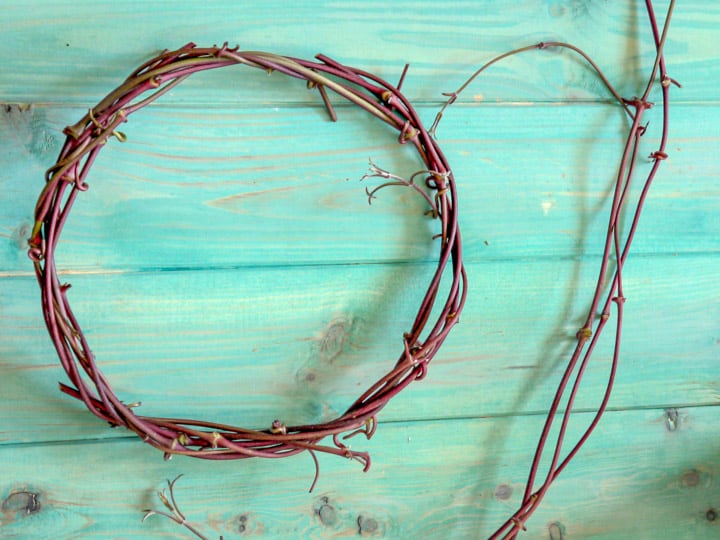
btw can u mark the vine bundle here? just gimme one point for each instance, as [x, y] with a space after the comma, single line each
[206, 439]
[210, 440]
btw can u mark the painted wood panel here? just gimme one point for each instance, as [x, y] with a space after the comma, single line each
[635, 470]
[444, 42]
[228, 245]
[273, 187]
[250, 345]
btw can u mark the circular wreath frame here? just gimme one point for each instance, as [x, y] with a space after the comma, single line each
[210, 440]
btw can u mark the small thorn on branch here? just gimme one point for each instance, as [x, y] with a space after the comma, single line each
[658, 156]
[402, 76]
[584, 333]
[667, 81]
[326, 101]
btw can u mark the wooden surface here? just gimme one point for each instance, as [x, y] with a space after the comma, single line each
[226, 265]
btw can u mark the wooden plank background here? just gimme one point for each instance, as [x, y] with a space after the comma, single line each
[226, 265]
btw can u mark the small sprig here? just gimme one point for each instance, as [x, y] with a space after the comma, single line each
[394, 180]
[175, 513]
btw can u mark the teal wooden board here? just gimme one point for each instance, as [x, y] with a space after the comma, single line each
[226, 265]
[301, 342]
[274, 187]
[634, 470]
[444, 43]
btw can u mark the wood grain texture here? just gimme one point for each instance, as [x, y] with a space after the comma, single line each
[635, 470]
[226, 265]
[196, 189]
[443, 43]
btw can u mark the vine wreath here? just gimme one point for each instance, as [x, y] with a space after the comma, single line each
[211, 440]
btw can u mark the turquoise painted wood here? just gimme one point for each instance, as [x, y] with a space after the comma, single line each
[300, 342]
[273, 184]
[226, 265]
[636, 479]
[442, 42]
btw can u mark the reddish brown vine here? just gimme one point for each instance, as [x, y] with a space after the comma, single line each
[616, 249]
[206, 439]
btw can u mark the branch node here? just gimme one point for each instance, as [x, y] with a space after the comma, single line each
[519, 524]
[584, 333]
[667, 81]
[658, 155]
[408, 133]
[278, 428]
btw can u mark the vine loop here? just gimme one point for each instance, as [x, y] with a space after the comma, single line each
[206, 439]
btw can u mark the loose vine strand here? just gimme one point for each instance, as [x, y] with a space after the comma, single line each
[587, 336]
[452, 96]
[615, 295]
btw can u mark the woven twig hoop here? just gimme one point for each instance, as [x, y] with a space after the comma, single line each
[205, 439]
